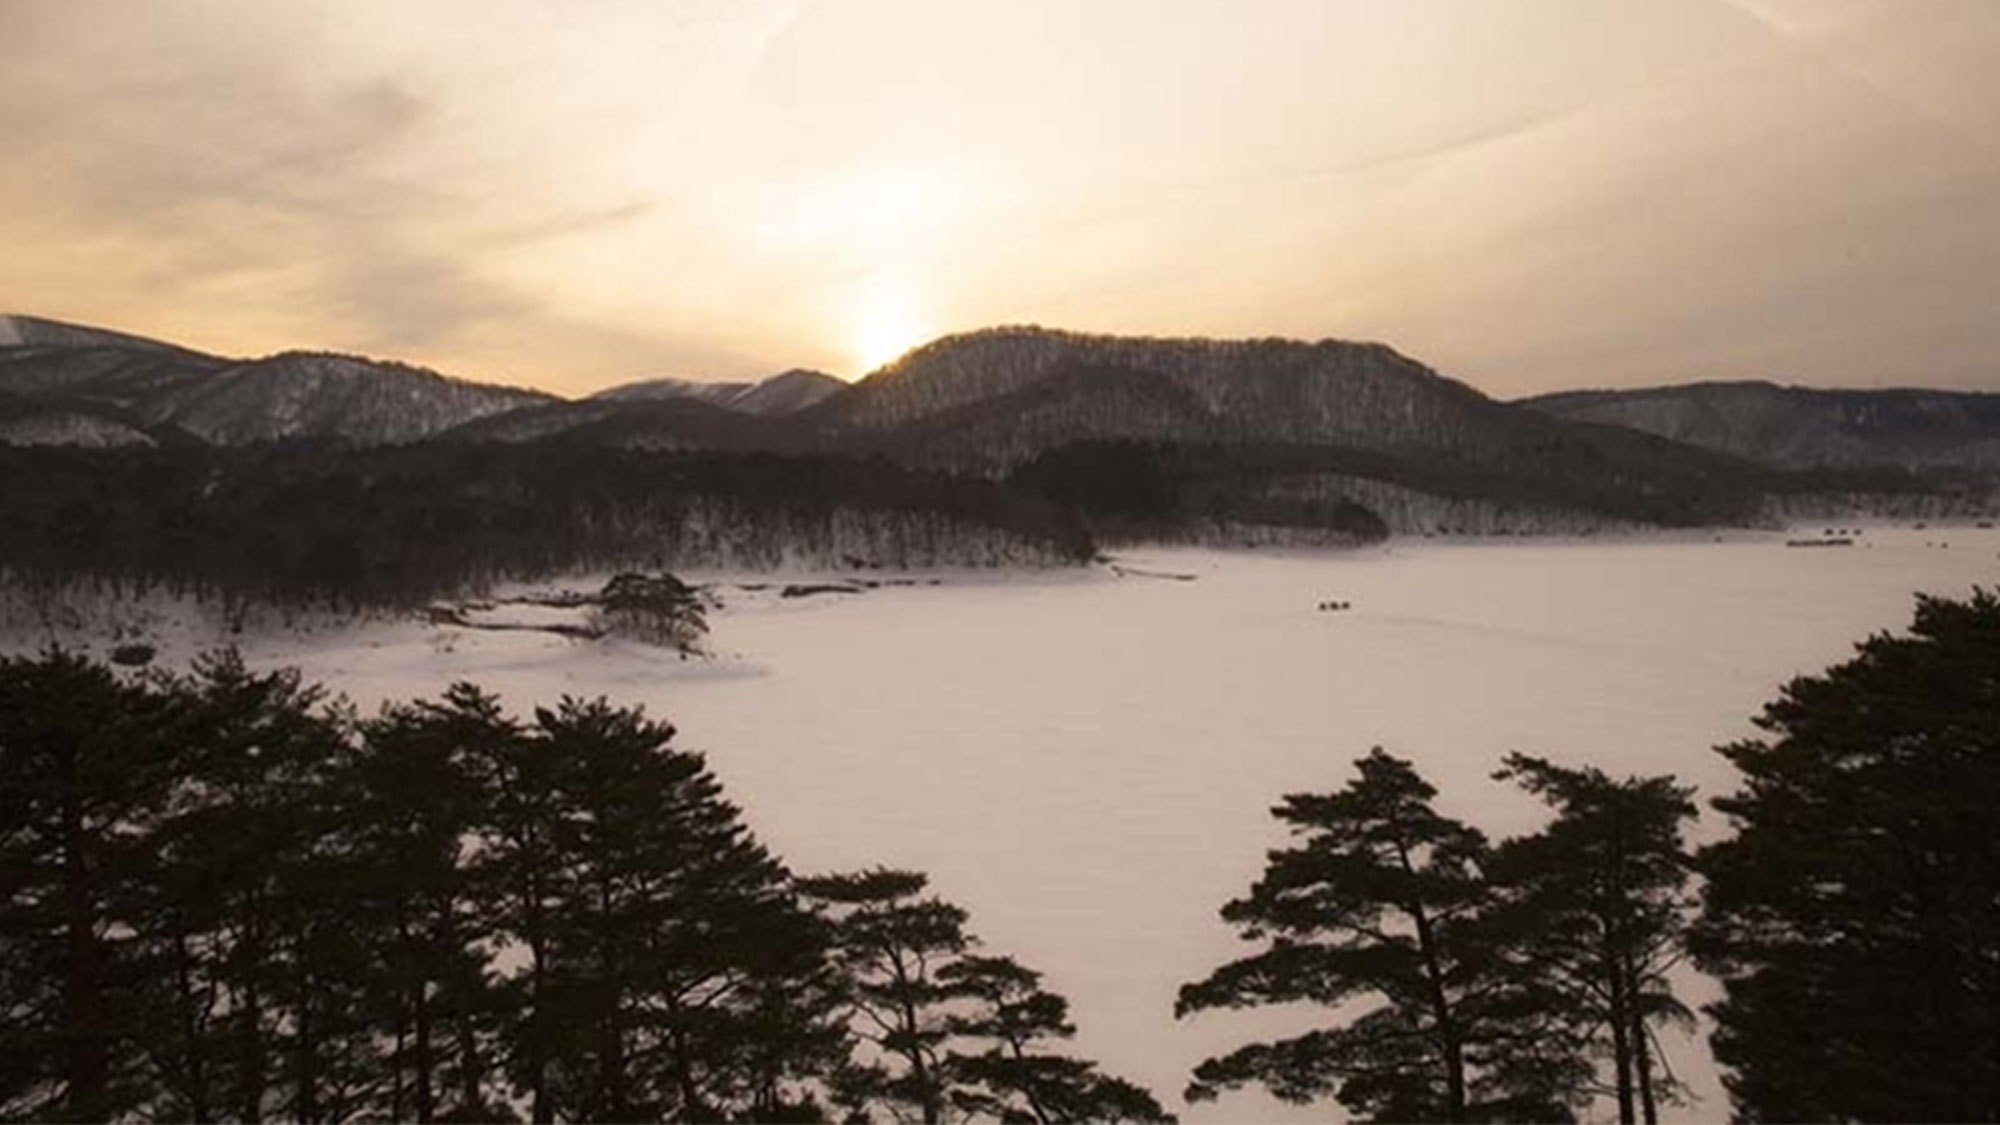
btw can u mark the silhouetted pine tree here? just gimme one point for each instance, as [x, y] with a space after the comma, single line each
[1384, 898]
[675, 938]
[415, 804]
[658, 609]
[1598, 902]
[1854, 917]
[1015, 1078]
[237, 918]
[954, 1035]
[83, 774]
[891, 940]
[524, 879]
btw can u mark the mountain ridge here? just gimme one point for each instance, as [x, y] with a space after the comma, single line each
[787, 392]
[1289, 425]
[1802, 427]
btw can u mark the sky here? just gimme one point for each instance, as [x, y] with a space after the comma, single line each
[1528, 195]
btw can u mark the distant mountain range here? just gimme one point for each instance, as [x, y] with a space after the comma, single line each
[787, 392]
[1294, 430]
[1804, 427]
[65, 383]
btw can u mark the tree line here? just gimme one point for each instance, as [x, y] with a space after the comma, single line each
[225, 897]
[305, 525]
[396, 527]
[1150, 490]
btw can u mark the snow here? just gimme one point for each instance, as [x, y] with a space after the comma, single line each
[1086, 761]
[64, 427]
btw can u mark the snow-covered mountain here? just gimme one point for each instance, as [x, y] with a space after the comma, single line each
[999, 396]
[316, 395]
[1142, 436]
[787, 392]
[1804, 427]
[668, 422]
[71, 373]
[1303, 417]
[32, 421]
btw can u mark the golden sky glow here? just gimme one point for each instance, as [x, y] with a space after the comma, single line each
[1528, 194]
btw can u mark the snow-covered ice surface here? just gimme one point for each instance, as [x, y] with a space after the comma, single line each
[1086, 761]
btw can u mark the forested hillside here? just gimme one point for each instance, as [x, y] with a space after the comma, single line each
[401, 526]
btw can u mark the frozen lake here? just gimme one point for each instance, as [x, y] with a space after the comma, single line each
[1086, 761]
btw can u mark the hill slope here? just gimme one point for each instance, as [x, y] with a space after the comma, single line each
[87, 380]
[1273, 390]
[1804, 428]
[787, 392]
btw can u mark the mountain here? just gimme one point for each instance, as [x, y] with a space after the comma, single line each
[1277, 389]
[1802, 427]
[785, 393]
[31, 331]
[666, 423]
[1220, 434]
[318, 395]
[1000, 395]
[51, 421]
[655, 390]
[97, 384]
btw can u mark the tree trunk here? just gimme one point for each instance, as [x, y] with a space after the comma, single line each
[87, 1062]
[425, 1095]
[193, 1083]
[252, 1080]
[471, 1071]
[1450, 1041]
[1441, 1016]
[1642, 1063]
[933, 1109]
[1621, 1036]
[539, 1109]
[1034, 1103]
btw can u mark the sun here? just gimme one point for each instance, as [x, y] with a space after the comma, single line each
[885, 326]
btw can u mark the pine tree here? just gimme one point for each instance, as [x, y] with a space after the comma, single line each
[1854, 916]
[677, 935]
[414, 802]
[1599, 902]
[83, 775]
[953, 1034]
[659, 609]
[1385, 898]
[523, 879]
[1016, 1078]
[231, 888]
[892, 940]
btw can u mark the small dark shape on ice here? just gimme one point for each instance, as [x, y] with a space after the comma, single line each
[1133, 572]
[1819, 542]
[805, 591]
[1335, 607]
[133, 655]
